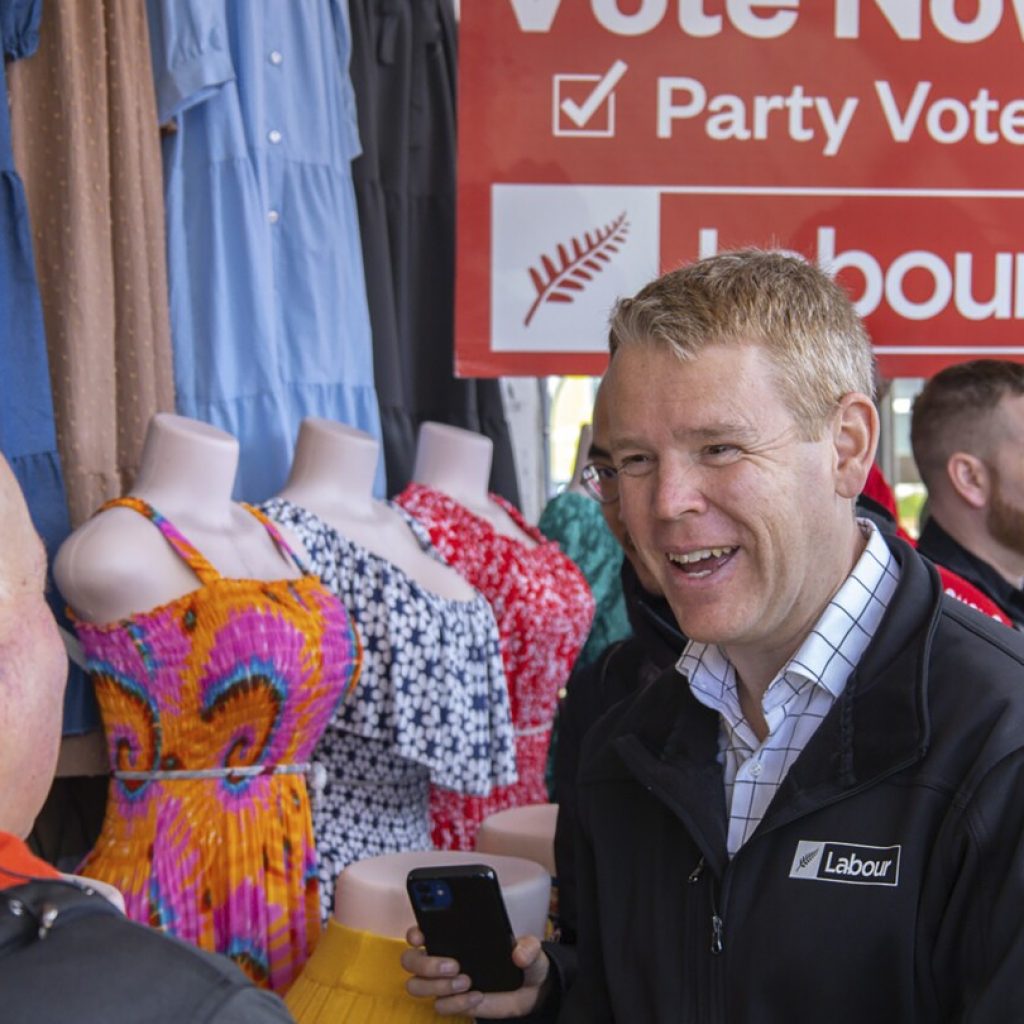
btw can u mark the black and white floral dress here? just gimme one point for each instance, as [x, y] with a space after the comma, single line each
[431, 704]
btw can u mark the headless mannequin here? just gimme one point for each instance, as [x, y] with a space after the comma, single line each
[332, 476]
[527, 832]
[118, 563]
[457, 462]
[582, 458]
[370, 895]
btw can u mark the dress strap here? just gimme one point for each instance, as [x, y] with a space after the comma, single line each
[187, 551]
[277, 537]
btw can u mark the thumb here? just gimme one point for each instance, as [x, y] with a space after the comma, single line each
[529, 956]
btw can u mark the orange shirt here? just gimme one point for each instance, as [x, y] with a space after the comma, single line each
[16, 857]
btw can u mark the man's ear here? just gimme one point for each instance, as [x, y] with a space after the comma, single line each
[855, 436]
[969, 478]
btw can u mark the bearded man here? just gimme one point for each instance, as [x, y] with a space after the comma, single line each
[967, 433]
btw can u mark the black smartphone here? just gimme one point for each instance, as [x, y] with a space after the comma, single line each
[460, 910]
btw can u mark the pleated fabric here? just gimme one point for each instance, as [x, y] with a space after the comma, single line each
[237, 674]
[355, 977]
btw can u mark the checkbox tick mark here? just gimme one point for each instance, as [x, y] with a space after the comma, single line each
[581, 113]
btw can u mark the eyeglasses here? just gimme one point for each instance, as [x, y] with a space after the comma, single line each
[601, 482]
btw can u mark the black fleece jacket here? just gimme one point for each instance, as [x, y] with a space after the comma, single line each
[943, 549]
[619, 671]
[885, 884]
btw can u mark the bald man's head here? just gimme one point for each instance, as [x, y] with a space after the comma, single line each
[23, 556]
[33, 666]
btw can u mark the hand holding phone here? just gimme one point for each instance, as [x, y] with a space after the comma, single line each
[433, 978]
[462, 915]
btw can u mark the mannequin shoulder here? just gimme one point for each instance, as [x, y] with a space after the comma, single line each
[116, 564]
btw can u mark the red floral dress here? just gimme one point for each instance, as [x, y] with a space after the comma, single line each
[543, 607]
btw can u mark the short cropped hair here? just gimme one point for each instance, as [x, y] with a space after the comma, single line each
[795, 311]
[953, 413]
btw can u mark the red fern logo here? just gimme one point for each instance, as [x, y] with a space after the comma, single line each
[559, 279]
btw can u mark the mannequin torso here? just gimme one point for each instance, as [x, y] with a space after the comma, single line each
[457, 462]
[332, 476]
[117, 564]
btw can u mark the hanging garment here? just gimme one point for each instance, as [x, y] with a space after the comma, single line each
[431, 705]
[355, 977]
[86, 140]
[577, 523]
[268, 298]
[83, 126]
[28, 437]
[212, 704]
[543, 607]
[403, 73]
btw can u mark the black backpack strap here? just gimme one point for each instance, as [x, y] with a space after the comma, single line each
[29, 912]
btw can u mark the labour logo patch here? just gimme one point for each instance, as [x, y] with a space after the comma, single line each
[846, 862]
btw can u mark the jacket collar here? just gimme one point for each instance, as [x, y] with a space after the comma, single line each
[668, 741]
[940, 547]
[651, 618]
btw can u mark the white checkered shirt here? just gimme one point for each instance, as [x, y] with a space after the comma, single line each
[799, 697]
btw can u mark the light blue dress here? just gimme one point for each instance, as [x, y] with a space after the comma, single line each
[268, 301]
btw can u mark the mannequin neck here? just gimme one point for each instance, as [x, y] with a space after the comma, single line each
[187, 469]
[332, 476]
[333, 471]
[456, 462]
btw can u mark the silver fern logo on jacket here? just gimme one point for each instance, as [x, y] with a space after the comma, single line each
[822, 861]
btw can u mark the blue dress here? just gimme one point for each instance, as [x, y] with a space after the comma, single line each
[28, 436]
[268, 301]
[431, 704]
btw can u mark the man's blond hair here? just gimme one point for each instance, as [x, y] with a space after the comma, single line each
[797, 313]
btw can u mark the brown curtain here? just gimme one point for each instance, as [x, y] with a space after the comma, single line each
[87, 145]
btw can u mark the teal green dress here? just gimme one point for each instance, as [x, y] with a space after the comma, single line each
[577, 524]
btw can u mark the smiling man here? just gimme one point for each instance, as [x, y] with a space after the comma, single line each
[817, 814]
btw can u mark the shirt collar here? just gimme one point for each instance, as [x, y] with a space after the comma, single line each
[836, 642]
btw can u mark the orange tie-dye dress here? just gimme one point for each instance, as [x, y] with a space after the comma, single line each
[212, 704]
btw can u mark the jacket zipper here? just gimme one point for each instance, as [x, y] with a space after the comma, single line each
[720, 912]
[706, 995]
[717, 925]
[698, 984]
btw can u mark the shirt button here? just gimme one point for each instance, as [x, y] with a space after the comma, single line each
[273, 216]
[273, 136]
[756, 769]
[276, 57]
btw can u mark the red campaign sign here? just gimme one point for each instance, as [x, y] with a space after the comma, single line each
[603, 141]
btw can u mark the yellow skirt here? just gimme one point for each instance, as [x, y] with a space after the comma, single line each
[355, 977]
